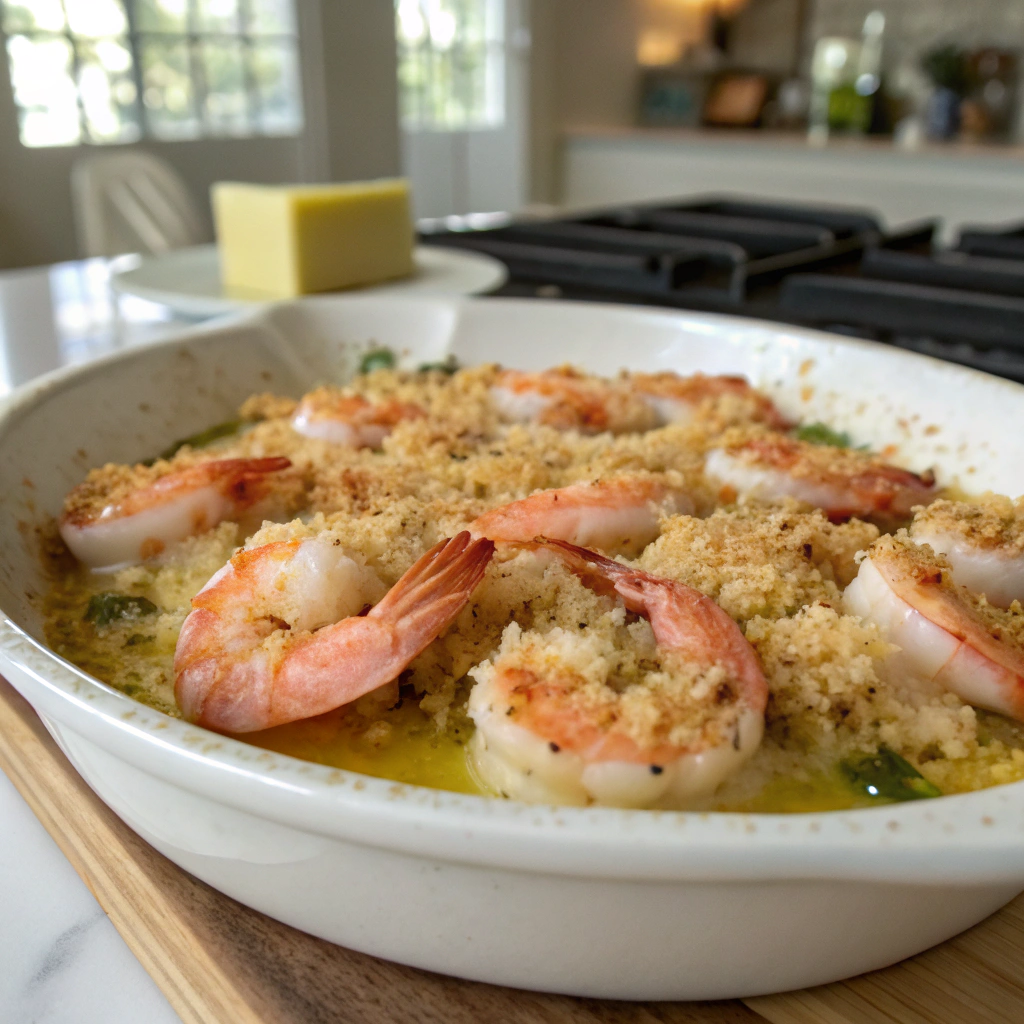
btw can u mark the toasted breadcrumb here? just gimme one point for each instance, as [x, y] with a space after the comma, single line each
[777, 569]
[800, 459]
[990, 521]
[919, 561]
[267, 406]
[760, 560]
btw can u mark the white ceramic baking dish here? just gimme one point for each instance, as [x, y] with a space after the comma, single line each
[600, 902]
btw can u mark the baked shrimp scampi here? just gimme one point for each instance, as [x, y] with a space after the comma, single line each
[653, 590]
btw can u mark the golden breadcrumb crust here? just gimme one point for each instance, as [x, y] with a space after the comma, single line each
[778, 569]
[989, 522]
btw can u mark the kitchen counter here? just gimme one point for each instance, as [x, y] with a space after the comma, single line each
[778, 139]
[63, 961]
[970, 183]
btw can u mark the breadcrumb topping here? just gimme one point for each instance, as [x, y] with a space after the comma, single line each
[760, 560]
[779, 569]
[991, 521]
[918, 562]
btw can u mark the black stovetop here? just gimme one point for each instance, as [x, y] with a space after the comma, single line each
[829, 267]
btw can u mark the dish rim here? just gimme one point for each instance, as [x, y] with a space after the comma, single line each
[964, 838]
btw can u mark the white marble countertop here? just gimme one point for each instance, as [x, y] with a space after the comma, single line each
[63, 961]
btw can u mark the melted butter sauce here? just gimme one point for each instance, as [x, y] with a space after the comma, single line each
[821, 791]
[402, 743]
[412, 751]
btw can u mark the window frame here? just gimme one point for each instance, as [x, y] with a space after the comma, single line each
[430, 56]
[135, 39]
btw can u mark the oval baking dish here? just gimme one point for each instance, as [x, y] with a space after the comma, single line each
[596, 902]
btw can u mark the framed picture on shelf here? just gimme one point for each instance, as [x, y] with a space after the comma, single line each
[671, 98]
[736, 99]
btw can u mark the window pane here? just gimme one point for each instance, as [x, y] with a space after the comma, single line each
[107, 90]
[44, 90]
[162, 15]
[271, 16]
[221, 67]
[33, 16]
[412, 22]
[227, 106]
[275, 71]
[412, 85]
[96, 18]
[451, 62]
[217, 16]
[167, 89]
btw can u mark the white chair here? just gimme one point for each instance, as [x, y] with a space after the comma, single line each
[132, 201]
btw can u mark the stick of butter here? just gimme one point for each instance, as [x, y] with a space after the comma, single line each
[279, 241]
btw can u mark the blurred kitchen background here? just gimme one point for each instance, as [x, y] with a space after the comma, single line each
[908, 107]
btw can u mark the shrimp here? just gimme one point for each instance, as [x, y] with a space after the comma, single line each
[983, 542]
[677, 399]
[548, 730]
[277, 635]
[566, 399]
[620, 514]
[841, 482]
[350, 420]
[183, 503]
[945, 637]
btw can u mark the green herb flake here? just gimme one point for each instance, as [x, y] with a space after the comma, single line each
[887, 776]
[818, 433]
[377, 359]
[138, 638]
[200, 440]
[109, 607]
[449, 366]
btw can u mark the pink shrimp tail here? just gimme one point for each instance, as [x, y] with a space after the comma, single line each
[339, 663]
[683, 619]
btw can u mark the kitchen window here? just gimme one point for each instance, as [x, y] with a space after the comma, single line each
[451, 63]
[114, 71]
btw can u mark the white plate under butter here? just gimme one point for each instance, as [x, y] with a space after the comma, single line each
[188, 282]
[598, 902]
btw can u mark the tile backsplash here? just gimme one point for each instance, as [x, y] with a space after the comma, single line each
[915, 26]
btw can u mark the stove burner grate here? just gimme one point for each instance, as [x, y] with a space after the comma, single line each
[829, 267]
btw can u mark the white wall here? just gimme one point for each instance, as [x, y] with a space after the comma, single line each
[351, 132]
[360, 88]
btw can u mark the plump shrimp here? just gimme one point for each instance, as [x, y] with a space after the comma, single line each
[945, 637]
[547, 730]
[140, 522]
[841, 482]
[277, 635]
[982, 540]
[677, 399]
[566, 399]
[350, 420]
[621, 514]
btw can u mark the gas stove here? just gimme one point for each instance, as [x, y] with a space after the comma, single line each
[835, 268]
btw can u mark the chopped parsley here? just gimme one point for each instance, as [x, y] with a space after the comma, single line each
[885, 775]
[108, 607]
[449, 365]
[200, 440]
[818, 433]
[377, 359]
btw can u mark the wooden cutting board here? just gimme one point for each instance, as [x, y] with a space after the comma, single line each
[221, 963]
